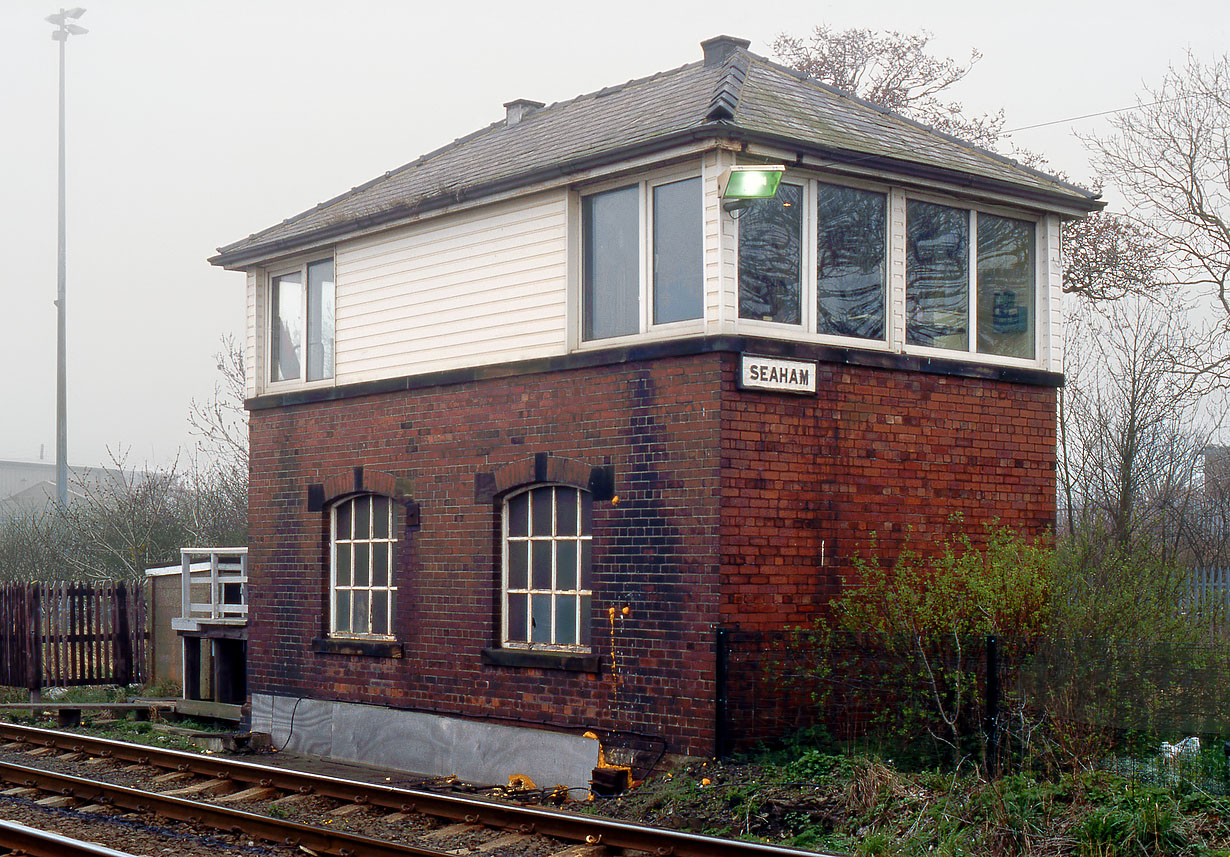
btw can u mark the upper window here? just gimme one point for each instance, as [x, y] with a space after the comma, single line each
[850, 254]
[850, 261]
[621, 292]
[957, 258]
[770, 257]
[301, 323]
[546, 574]
[362, 589]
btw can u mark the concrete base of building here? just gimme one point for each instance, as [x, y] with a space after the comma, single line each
[423, 743]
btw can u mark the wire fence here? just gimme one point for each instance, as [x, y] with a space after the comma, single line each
[1155, 711]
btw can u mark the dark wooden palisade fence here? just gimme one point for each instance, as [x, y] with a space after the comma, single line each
[63, 634]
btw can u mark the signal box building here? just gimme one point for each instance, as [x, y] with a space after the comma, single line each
[536, 414]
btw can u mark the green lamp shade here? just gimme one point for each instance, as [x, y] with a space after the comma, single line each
[753, 182]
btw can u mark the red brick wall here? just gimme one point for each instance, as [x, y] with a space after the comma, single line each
[735, 506]
[655, 548]
[807, 481]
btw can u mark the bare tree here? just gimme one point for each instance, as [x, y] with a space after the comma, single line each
[217, 507]
[1109, 256]
[1170, 158]
[123, 523]
[894, 70]
[1131, 431]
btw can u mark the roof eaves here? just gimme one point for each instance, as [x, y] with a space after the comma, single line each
[448, 147]
[367, 185]
[230, 258]
[1074, 198]
[1003, 159]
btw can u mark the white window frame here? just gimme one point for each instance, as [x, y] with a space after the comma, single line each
[299, 266]
[646, 326]
[895, 297]
[806, 330]
[391, 588]
[971, 351]
[529, 590]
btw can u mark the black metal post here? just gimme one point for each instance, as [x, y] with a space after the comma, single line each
[992, 700]
[720, 742]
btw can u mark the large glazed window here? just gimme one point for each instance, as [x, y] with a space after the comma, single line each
[937, 276]
[970, 281]
[1005, 286]
[362, 589]
[617, 284]
[770, 257]
[678, 279]
[611, 254]
[302, 323]
[850, 262]
[546, 575]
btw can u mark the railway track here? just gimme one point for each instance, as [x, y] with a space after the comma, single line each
[450, 818]
[18, 839]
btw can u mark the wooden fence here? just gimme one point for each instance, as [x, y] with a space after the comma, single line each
[64, 634]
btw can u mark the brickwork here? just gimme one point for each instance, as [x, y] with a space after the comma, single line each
[655, 544]
[808, 482]
[730, 506]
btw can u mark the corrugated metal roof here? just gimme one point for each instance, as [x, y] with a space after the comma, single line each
[746, 96]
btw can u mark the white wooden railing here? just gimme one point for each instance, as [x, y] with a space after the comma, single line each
[214, 587]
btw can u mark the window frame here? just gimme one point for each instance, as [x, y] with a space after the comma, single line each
[646, 327]
[807, 328]
[581, 594]
[971, 352]
[391, 587]
[298, 265]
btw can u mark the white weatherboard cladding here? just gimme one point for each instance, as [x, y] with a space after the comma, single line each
[255, 322]
[1050, 288]
[479, 287]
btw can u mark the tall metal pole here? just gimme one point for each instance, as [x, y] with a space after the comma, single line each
[63, 30]
[61, 310]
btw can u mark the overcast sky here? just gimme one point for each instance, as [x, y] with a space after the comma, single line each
[192, 123]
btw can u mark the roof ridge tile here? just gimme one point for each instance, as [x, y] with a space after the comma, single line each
[730, 86]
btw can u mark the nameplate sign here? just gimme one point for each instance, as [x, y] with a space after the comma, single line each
[780, 376]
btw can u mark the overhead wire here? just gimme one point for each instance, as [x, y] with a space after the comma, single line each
[1116, 110]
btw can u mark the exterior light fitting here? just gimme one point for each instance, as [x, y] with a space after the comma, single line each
[742, 184]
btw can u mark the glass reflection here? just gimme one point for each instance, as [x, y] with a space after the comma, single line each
[770, 257]
[937, 276]
[1005, 286]
[850, 268]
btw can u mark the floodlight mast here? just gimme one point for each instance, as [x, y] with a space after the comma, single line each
[63, 30]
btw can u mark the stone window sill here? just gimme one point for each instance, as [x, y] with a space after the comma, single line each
[567, 661]
[362, 648]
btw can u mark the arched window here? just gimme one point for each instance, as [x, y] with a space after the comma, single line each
[546, 576]
[362, 589]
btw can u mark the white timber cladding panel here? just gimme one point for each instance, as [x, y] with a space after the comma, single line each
[470, 289]
[255, 317]
[896, 268]
[711, 173]
[728, 253]
[1050, 285]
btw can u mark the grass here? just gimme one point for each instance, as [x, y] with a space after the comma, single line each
[863, 805]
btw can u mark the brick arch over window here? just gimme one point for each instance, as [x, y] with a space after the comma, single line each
[358, 480]
[545, 468]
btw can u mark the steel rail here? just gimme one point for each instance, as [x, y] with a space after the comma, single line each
[218, 817]
[32, 842]
[571, 826]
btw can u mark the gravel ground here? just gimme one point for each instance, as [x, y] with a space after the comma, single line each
[134, 834]
[144, 836]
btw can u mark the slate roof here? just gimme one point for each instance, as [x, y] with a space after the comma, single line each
[743, 97]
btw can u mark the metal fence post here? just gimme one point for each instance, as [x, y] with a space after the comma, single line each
[721, 714]
[992, 700]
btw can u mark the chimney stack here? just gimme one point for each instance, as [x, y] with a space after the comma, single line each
[719, 48]
[519, 109]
